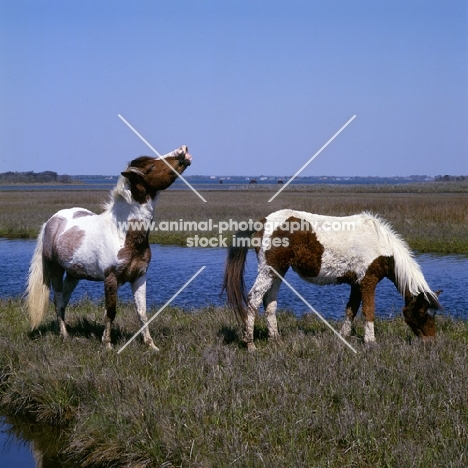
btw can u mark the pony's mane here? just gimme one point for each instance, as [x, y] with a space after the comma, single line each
[141, 161]
[120, 192]
[408, 274]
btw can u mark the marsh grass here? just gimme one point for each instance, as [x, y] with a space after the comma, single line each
[204, 401]
[23, 212]
[430, 219]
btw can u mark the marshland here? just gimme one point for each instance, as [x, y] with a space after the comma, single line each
[203, 400]
[432, 217]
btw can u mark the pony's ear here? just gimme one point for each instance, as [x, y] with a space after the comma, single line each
[432, 309]
[132, 171]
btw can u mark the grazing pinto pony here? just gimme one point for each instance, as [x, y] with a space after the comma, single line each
[359, 250]
[82, 245]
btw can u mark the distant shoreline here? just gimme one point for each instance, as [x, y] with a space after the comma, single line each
[40, 184]
[11, 178]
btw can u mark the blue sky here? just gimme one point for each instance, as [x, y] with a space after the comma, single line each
[252, 87]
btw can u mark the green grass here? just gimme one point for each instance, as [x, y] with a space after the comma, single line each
[204, 401]
[431, 217]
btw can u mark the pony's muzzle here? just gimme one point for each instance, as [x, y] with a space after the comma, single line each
[184, 157]
[187, 160]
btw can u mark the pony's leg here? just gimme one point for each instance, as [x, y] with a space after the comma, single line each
[270, 303]
[259, 289]
[110, 292]
[139, 295]
[351, 309]
[69, 285]
[368, 308]
[56, 278]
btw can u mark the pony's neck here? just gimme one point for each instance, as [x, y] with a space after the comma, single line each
[123, 206]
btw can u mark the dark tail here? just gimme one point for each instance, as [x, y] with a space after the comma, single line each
[234, 269]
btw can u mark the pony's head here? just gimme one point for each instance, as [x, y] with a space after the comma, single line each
[148, 175]
[419, 312]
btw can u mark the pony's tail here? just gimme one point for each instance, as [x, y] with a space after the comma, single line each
[409, 278]
[37, 292]
[234, 270]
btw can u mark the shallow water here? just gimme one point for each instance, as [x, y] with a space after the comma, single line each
[171, 267]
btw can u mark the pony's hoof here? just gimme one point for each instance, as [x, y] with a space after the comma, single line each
[251, 347]
[274, 339]
[108, 346]
[150, 345]
[370, 344]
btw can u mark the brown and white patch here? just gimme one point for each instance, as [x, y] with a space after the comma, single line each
[59, 244]
[134, 256]
[300, 250]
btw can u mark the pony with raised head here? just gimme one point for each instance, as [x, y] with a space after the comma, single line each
[359, 250]
[113, 246]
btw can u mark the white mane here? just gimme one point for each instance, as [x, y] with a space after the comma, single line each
[120, 191]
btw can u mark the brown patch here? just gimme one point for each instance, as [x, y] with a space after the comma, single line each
[303, 251]
[53, 228]
[349, 277]
[135, 255]
[376, 271]
[110, 291]
[379, 268]
[354, 301]
[78, 270]
[82, 214]
[60, 245]
[147, 175]
[69, 242]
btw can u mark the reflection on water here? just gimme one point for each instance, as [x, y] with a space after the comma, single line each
[28, 445]
[172, 266]
[14, 452]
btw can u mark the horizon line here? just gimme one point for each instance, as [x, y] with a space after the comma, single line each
[282, 177]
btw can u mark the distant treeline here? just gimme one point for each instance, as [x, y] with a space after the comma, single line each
[449, 178]
[31, 177]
